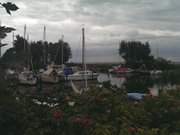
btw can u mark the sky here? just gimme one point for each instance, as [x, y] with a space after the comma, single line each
[106, 24]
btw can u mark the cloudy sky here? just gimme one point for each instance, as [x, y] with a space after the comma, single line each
[106, 22]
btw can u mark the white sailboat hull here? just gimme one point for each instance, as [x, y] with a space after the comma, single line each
[27, 79]
[80, 76]
[50, 75]
[28, 82]
[49, 79]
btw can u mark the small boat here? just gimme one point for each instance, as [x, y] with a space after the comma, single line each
[11, 74]
[53, 71]
[82, 75]
[120, 70]
[142, 71]
[136, 96]
[27, 78]
[156, 72]
[50, 76]
[57, 68]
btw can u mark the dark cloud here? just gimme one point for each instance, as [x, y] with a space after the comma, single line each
[106, 21]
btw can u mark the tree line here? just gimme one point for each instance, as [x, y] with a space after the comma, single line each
[37, 53]
[138, 55]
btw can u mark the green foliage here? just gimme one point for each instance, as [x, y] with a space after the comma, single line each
[9, 7]
[38, 51]
[163, 64]
[135, 52]
[99, 111]
[10, 116]
[4, 30]
[102, 130]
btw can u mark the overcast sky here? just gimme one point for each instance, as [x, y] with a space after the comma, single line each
[106, 22]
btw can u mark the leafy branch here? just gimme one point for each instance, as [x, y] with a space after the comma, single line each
[4, 30]
[9, 7]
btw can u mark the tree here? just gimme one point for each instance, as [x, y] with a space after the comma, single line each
[41, 53]
[55, 52]
[9, 7]
[4, 30]
[135, 52]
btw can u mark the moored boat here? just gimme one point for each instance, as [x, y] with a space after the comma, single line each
[156, 72]
[27, 78]
[50, 76]
[82, 75]
[120, 70]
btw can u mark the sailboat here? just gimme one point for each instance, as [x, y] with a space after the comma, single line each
[84, 74]
[51, 75]
[53, 72]
[27, 77]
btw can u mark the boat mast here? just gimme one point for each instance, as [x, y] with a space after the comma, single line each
[157, 52]
[25, 38]
[83, 56]
[62, 52]
[0, 41]
[13, 39]
[28, 53]
[44, 49]
[25, 48]
[83, 48]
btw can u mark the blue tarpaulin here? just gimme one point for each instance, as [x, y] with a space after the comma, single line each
[136, 96]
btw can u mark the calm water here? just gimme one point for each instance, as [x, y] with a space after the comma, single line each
[141, 83]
